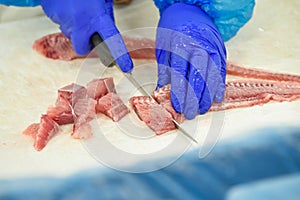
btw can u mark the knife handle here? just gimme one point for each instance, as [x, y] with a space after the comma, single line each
[102, 50]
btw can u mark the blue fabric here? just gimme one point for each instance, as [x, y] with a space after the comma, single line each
[191, 56]
[279, 188]
[268, 154]
[228, 15]
[24, 3]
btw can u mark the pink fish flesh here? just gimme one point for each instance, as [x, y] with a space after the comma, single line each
[74, 105]
[97, 88]
[57, 46]
[154, 115]
[162, 96]
[112, 106]
[237, 70]
[42, 132]
[246, 93]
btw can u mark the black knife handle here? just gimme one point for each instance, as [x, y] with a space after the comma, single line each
[102, 50]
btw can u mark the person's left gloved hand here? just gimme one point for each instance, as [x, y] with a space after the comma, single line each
[192, 57]
[80, 19]
[24, 3]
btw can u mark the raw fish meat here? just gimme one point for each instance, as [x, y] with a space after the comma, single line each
[32, 130]
[72, 92]
[42, 132]
[140, 48]
[57, 46]
[265, 87]
[144, 48]
[112, 106]
[237, 70]
[246, 93]
[48, 128]
[75, 105]
[154, 115]
[122, 1]
[97, 88]
[82, 130]
[62, 112]
[84, 111]
[162, 96]
[238, 94]
[85, 108]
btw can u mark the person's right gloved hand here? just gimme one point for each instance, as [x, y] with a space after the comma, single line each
[80, 19]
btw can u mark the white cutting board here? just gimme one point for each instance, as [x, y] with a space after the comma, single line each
[28, 85]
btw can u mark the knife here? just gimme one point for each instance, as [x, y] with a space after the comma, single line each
[108, 60]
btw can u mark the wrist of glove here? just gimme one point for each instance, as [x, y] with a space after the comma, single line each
[191, 56]
[22, 3]
[80, 19]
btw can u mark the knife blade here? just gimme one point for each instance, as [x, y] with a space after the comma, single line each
[108, 60]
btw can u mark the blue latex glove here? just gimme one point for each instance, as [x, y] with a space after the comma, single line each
[20, 2]
[80, 19]
[192, 57]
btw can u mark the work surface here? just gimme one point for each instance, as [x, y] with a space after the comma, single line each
[28, 84]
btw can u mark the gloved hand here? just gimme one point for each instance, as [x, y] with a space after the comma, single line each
[20, 2]
[192, 57]
[80, 19]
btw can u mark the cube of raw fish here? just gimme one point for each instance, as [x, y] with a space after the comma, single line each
[85, 107]
[154, 115]
[97, 88]
[62, 112]
[47, 129]
[163, 97]
[112, 106]
[81, 129]
[84, 110]
[72, 92]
